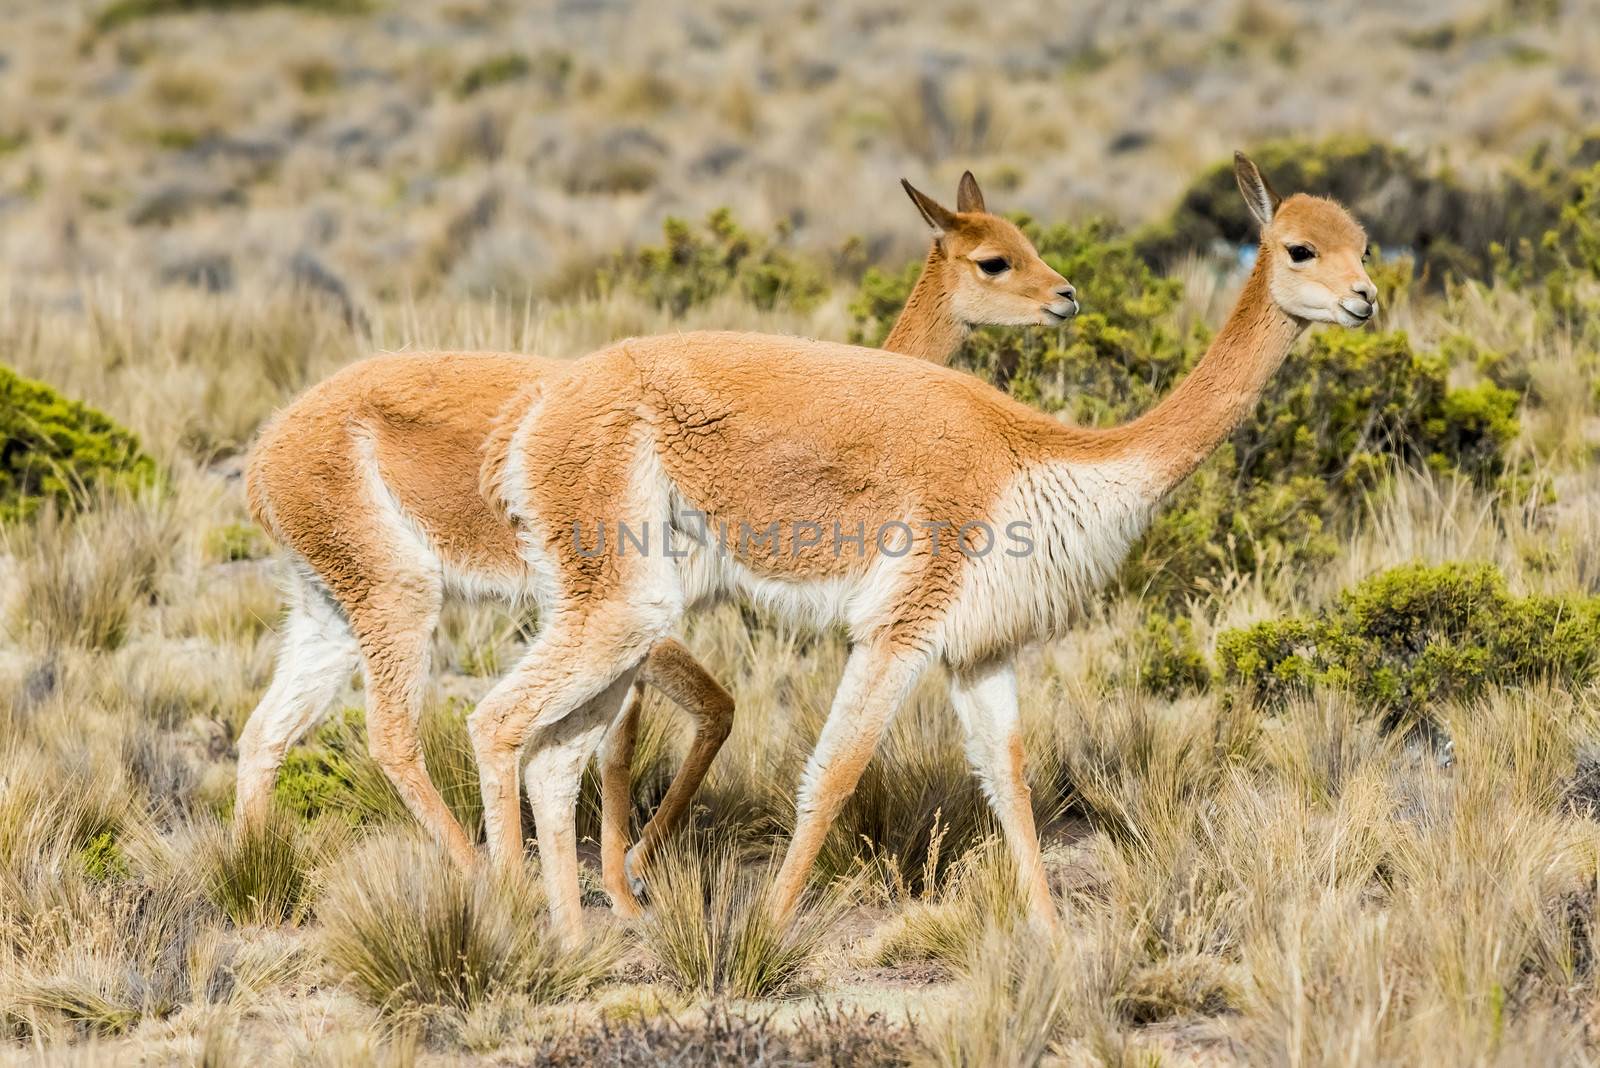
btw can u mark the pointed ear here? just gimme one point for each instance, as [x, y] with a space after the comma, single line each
[1258, 195]
[968, 196]
[939, 218]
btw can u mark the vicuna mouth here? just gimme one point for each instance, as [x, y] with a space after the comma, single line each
[1361, 314]
[1056, 314]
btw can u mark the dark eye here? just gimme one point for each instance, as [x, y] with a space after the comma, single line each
[1366, 253]
[1300, 253]
[994, 265]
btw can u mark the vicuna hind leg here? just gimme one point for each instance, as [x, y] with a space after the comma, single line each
[562, 694]
[673, 670]
[616, 801]
[316, 658]
[395, 624]
[985, 701]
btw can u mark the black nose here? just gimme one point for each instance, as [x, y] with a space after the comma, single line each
[1366, 291]
[1067, 291]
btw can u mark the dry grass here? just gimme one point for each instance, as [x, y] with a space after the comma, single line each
[710, 929]
[412, 934]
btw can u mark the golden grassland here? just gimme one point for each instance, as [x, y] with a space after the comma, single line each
[202, 213]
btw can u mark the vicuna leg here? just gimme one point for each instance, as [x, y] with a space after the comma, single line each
[877, 678]
[558, 754]
[316, 657]
[569, 665]
[616, 801]
[674, 671]
[985, 700]
[394, 625]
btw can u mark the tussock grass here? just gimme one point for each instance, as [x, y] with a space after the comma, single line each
[709, 926]
[1297, 884]
[412, 935]
[980, 895]
[84, 580]
[262, 873]
[1011, 1009]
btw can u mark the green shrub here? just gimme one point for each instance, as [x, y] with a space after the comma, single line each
[1167, 658]
[496, 70]
[1416, 635]
[102, 857]
[333, 774]
[1405, 202]
[1344, 410]
[237, 541]
[55, 449]
[696, 265]
[878, 302]
[121, 12]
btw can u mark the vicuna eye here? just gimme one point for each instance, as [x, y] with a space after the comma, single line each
[1300, 253]
[1366, 253]
[994, 265]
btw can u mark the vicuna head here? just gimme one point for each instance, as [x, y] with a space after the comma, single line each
[991, 271]
[1313, 252]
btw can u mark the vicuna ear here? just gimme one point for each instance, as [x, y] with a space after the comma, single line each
[1258, 195]
[940, 220]
[968, 196]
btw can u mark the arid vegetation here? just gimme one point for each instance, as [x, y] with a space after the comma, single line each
[1318, 777]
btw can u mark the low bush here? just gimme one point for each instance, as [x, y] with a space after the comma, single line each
[1166, 658]
[1345, 409]
[1408, 638]
[56, 449]
[1450, 227]
[696, 264]
[333, 774]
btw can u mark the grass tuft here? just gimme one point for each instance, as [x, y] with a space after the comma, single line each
[709, 926]
[261, 873]
[410, 933]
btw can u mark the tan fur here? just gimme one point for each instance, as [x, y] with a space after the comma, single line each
[748, 430]
[377, 479]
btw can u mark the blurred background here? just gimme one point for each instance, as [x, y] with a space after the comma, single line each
[480, 148]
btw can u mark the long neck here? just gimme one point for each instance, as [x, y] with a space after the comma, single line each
[927, 327]
[1177, 435]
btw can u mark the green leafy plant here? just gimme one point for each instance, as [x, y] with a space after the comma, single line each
[121, 12]
[1413, 636]
[333, 775]
[694, 265]
[56, 449]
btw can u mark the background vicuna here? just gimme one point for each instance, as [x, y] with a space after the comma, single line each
[1316, 778]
